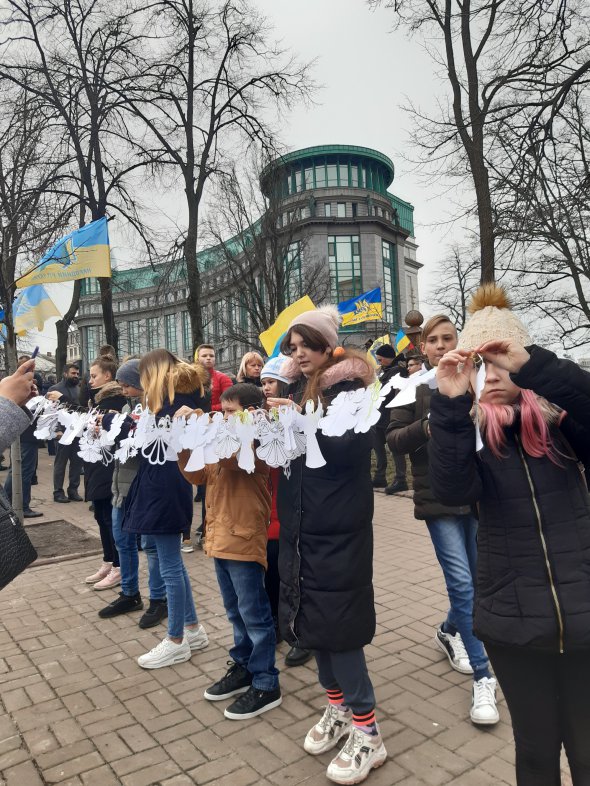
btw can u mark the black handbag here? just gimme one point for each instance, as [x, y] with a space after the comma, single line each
[16, 550]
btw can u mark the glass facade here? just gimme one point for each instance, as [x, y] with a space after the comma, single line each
[187, 342]
[335, 172]
[293, 280]
[344, 255]
[390, 288]
[153, 333]
[170, 331]
[92, 342]
[133, 344]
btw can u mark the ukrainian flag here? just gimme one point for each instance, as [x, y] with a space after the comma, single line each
[32, 307]
[379, 342]
[84, 253]
[402, 342]
[271, 338]
[362, 308]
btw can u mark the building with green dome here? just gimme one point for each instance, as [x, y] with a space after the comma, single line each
[338, 218]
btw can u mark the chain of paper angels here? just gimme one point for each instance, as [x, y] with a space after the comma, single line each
[276, 437]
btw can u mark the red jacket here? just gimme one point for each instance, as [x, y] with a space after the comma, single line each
[274, 526]
[219, 383]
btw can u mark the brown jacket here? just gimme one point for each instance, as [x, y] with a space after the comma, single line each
[237, 508]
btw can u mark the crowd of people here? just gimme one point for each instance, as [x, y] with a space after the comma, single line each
[496, 443]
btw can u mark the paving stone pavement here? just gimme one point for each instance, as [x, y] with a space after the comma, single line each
[79, 711]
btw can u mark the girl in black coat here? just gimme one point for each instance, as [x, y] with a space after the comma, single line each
[106, 396]
[326, 551]
[532, 605]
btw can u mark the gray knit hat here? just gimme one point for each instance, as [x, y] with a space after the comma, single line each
[128, 374]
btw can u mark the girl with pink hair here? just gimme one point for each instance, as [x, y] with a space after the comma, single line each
[532, 604]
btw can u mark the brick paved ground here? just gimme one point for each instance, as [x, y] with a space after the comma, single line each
[79, 711]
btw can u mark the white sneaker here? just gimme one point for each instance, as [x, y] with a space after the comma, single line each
[454, 649]
[166, 653]
[187, 547]
[324, 736]
[112, 579]
[361, 753]
[196, 637]
[103, 571]
[483, 705]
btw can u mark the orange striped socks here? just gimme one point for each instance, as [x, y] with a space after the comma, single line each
[335, 697]
[366, 722]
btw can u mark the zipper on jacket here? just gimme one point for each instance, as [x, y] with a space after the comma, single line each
[544, 545]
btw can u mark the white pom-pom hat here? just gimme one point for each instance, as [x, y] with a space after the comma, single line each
[491, 318]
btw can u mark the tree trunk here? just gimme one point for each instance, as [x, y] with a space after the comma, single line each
[193, 278]
[106, 297]
[486, 221]
[62, 326]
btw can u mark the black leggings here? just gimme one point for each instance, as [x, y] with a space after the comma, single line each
[103, 512]
[548, 696]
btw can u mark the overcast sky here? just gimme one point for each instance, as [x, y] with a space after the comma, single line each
[366, 71]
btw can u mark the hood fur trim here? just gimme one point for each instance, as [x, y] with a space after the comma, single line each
[190, 377]
[349, 368]
[109, 390]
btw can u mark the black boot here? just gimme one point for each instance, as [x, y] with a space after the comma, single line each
[123, 605]
[297, 656]
[396, 486]
[157, 611]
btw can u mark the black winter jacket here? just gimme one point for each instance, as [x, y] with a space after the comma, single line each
[407, 433]
[533, 575]
[384, 376]
[326, 544]
[98, 478]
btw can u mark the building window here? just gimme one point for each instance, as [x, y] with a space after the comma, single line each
[309, 178]
[341, 210]
[390, 288]
[133, 337]
[293, 281]
[345, 266]
[343, 172]
[187, 342]
[216, 326]
[332, 175]
[354, 209]
[92, 339]
[327, 209]
[305, 212]
[320, 176]
[153, 333]
[354, 176]
[170, 331]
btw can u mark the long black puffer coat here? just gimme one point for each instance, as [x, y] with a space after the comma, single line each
[98, 477]
[533, 575]
[326, 537]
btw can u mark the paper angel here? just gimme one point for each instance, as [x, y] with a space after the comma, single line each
[227, 439]
[74, 424]
[271, 448]
[216, 422]
[156, 442]
[308, 422]
[245, 433]
[47, 422]
[126, 449]
[194, 439]
[407, 394]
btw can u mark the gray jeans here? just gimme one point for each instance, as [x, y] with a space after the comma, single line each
[347, 671]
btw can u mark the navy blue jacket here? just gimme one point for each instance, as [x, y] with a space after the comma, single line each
[160, 500]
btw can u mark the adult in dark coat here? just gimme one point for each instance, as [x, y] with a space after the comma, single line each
[532, 607]
[326, 550]
[69, 393]
[390, 365]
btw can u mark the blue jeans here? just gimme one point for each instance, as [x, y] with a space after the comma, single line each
[248, 609]
[181, 607]
[156, 586]
[28, 455]
[455, 542]
[126, 543]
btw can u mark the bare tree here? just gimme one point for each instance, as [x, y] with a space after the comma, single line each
[267, 263]
[543, 209]
[31, 170]
[205, 90]
[456, 278]
[68, 53]
[500, 57]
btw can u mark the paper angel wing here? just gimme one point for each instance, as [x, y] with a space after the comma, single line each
[74, 424]
[156, 443]
[340, 416]
[271, 447]
[126, 449]
[227, 440]
[408, 394]
[368, 413]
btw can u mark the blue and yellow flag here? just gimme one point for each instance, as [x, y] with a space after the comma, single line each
[402, 342]
[379, 342]
[32, 308]
[84, 253]
[361, 308]
[272, 337]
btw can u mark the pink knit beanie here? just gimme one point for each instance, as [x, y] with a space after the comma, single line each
[324, 319]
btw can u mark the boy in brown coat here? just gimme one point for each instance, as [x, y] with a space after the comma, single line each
[237, 518]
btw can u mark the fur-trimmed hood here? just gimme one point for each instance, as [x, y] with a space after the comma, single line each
[109, 390]
[191, 377]
[347, 368]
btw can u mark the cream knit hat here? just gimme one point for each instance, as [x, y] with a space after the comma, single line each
[491, 318]
[324, 319]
